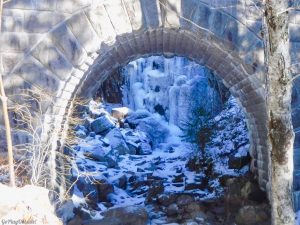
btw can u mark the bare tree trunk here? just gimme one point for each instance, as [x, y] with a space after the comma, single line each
[6, 122]
[280, 128]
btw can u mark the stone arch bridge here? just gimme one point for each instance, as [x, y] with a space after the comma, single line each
[69, 47]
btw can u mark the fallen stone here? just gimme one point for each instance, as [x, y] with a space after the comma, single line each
[102, 124]
[117, 142]
[155, 131]
[105, 221]
[184, 199]
[66, 211]
[121, 182]
[120, 113]
[166, 200]
[172, 210]
[129, 215]
[29, 203]
[104, 188]
[134, 118]
[80, 134]
[252, 215]
[156, 188]
[89, 190]
[238, 162]
[144, 149]
[133, 147]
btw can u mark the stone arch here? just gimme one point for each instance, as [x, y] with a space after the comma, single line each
[76, 55]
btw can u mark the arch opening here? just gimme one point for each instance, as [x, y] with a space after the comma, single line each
[159, 128]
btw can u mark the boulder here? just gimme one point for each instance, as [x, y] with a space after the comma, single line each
[156, 187]
[120, 113]
[144, 149]
[89, 190]
[108, 160]
[166, 200]
[134, 118]
[252, 192]
[92, 134]
[96, 153]
[66, 211]
[172, 210]
[95, 109]
[102, 124]
[193, 207]
[135, 137]
[104, 221]
[121, 182]
[104, 188]
[80, 127]
[241, 190]
[155, 131]
[133, 147]
[111, 161]
[252, 215]
[238, 162]
[75, 221]
[80, 134]
[117, 142]
[129, 215]
[82, 213]
[184, 200]
[29, 204]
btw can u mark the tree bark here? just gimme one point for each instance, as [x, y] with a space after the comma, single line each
[6, 121]
[280, 128]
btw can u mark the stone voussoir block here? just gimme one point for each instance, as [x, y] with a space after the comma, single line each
[135, 14]
[47, 53]
[68, 44]
[41, 21]
[84, 32]
[118, 16]
[151, 12]
[35, 73]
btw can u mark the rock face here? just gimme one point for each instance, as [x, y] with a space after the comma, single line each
[169, 87]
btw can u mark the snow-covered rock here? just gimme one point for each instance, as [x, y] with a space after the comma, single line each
[134, 118]
[144, 149]
[129, 215]
[66, 210]
[30, 204]
[155, 131]
[117, 142]
[120, 113]
[102, 124]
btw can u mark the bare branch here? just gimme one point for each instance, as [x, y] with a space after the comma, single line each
[294, 78]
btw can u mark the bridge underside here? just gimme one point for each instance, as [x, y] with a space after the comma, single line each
[75, 55]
